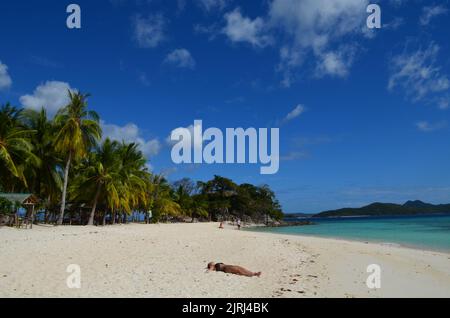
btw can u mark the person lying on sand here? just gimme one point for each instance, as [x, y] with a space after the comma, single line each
[231, 269]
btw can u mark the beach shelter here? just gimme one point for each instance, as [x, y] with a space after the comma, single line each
[27, 200]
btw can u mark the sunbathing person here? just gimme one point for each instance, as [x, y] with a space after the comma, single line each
[231, 269]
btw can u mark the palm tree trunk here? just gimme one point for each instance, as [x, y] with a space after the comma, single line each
[94, 207]
[63, 201]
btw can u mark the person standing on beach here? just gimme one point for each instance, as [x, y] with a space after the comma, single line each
[239, 223]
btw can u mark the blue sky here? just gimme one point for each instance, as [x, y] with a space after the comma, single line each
[363, 114]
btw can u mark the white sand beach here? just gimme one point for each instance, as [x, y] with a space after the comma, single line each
[169, 260]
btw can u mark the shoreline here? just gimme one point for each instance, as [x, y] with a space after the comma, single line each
[334, 238]
[169, 260]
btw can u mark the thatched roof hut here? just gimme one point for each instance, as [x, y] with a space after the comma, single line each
[27, 200]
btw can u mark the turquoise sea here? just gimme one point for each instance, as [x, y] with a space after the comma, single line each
[425, 232]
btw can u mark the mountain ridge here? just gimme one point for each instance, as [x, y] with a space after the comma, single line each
[415, 207]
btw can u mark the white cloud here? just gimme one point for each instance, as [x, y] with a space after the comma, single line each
[210, 5]
[180, 58]
[149, 31]
[242, 29]
[313, 26]
[394, 24]
[197, 144]
[305, 30]
[336, 63]
[295, 155]
[290, 59]
[426, 126]
[297, 111]
[5, 79]
[332, 63]
[131, 133]
[210, 30]
[419, 75]
[315, 23]
[52, 95]
[428, 13]
[444, 102]
[313, 140]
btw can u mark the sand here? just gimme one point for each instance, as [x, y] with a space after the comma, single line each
[169, 260]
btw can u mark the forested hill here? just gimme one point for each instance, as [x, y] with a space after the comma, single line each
[379, 209]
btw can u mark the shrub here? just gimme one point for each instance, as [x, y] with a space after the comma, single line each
[6, 206]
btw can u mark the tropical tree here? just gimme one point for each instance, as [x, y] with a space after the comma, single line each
[267, 203]
[40, 155]
[191, 202]
[78, 130]
[45, 180]
[164, 204]
[219, 191]
[16, 150]
[99, 174]
[183, 191]
[200, 206]
[135, 178]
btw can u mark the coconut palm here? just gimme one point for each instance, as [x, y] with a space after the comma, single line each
[45, 179]
[199, 206]
[135, 177]
[164, 204]
[78, 131]
[99, 174]
[16, 150]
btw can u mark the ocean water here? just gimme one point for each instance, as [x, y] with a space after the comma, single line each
[424, 232]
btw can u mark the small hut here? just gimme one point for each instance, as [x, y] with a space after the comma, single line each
[27, 201]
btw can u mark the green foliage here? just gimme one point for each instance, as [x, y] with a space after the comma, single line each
[6, 206]
[40, 155]
[379, 209]
[224, 199]
[16, 150]
[78, 130]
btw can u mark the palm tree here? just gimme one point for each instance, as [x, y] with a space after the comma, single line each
[135, 178]
[78, 131]
[100, 175]
[199, 206]
[164, 204]
[45, 180]
[15, 147]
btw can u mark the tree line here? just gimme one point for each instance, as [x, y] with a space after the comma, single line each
[82, 178]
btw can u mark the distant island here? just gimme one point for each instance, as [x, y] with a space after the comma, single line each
[382, 209]
[297, 215]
